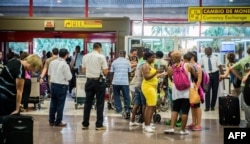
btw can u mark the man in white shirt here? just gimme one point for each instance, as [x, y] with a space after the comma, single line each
[211, 64]
[94, 66]
[60, 75]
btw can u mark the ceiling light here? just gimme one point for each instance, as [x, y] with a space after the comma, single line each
[58, 1]
[231, 0]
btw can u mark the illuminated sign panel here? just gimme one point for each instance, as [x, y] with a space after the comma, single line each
[82, 23]
[219, 14]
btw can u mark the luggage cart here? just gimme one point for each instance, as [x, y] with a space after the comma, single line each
[80, 90]
[35, 93]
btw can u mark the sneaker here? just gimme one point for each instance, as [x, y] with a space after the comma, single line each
[184, 132]
[148, 129]
[151, 125]
[196, 128]
[169, 131]
[134, 123]
[190, 126]
[100, 128]
[85, 127]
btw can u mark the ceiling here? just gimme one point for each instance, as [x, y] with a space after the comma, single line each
[164, 9]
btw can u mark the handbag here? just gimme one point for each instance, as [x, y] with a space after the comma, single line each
[194, 96]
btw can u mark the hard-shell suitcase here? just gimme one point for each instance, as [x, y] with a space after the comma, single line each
[229, 110]
[17, 129]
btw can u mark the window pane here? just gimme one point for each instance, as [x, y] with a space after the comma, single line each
[59, 8]
[14, 8]
[47, 44]
[16, 47]
[169, 10]
[106, 48]
[115, 8]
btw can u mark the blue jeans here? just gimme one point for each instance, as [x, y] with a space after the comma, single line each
[57, 102]
[125, 93]
[139, 98]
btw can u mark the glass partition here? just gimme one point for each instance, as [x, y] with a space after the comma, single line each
[185, 44]
[17, 47]
[154, 43]
[107, 47]
[47, 44]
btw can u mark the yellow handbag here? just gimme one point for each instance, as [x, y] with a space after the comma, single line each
[194, 96]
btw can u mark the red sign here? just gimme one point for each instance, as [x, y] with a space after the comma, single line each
[49, 24]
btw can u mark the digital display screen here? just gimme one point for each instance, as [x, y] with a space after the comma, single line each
[227, 47]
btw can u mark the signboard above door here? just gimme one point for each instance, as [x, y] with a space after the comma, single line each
[219, 14]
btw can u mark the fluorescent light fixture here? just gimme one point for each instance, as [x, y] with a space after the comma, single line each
[151, 39]
[235, 39]
[204, 39]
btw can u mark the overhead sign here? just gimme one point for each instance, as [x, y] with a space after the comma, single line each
[219, 14]
[82, 23]
[49, 24]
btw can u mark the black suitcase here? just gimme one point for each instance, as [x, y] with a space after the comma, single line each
[17, 129]
[229, 110]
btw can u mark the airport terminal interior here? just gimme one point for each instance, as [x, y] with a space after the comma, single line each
[35, 26]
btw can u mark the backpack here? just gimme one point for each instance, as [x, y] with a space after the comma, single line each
[205, 81]
[246, 91]
[180, 77]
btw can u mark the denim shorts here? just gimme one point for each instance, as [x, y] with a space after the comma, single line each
[139, 98]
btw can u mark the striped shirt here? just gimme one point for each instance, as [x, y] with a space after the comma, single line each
[12, 70]
[59, 72]
[120, 67]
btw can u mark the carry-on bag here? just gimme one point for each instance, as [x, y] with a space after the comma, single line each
[229, 110]
[16, 129]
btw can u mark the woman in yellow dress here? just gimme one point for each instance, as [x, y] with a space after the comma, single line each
[149, 88]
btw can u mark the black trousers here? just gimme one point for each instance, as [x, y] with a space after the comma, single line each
[94, 88]
[213, 84]
[72, 83]
[26, 93]
[7, 105]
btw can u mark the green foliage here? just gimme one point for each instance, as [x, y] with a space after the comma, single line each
[47, 44]
[227, 31]
[106, 48]
[16, 47]
[160, 44]
[168, 31]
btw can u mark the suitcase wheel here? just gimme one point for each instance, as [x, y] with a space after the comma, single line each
[157, 118]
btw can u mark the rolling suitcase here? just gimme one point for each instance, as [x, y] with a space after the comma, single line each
[229, 110]
[17, 129]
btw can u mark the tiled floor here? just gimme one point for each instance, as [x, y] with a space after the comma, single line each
[118, 131]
